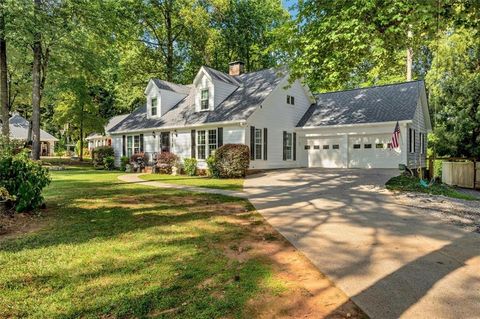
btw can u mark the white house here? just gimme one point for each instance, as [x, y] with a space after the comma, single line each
[104, 139]
[282, 122]
[19, 128]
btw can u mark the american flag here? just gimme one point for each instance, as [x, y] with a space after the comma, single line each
[395, 137]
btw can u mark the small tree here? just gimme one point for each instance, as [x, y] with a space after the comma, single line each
[232, 160]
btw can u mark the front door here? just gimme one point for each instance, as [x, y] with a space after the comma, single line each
[165, 141]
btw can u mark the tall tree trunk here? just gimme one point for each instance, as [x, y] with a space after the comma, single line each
[36, 89]
[4, 107]
[81, 134]
[168, 24]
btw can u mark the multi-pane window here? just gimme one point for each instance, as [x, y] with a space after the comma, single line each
[201, 147]
[133, 145]
[422, 143]
[212, 141]
[326, 147]
[379, 145]
[316, 147]
[367, 146]
[356, 146]
[204, 99]
[336, 146]
[258, 143]
[307, 147]
[290, 100]
[154, 103]
[411, 140]
[288, 146]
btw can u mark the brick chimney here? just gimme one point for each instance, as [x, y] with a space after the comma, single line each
[235, 68]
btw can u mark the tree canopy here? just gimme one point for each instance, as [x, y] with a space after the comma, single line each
[75, 64]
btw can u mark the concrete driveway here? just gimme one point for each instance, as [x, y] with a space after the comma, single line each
[390, 259]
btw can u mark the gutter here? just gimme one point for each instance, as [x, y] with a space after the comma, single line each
[305, 128]
[165, 128]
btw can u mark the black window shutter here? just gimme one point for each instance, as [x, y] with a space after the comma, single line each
[284, 145]
[294, 146]
[252, 143]
[194, 144]
[124, 146]
[265, 145]
[220, 136]
[141, 143]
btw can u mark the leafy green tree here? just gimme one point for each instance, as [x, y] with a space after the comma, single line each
[454, 84]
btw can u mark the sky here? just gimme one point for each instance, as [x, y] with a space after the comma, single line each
[288, 4]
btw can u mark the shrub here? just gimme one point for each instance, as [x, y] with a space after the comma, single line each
[166, 161]
[24, 179]
[212, 164]
[232, 160]
[138, 161]
[190, 166]
[109, 162]
[100, 153]
[124, 160]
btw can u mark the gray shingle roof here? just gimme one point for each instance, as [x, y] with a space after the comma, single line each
[165, 85]
[111, 123]
[19, 129]
[254, 88]
[218, 75]
[394, 102]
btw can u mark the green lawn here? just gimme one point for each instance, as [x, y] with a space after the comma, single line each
[412, 184]
[113, 250]
[234, 184]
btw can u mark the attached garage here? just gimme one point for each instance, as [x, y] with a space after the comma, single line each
[353, 128]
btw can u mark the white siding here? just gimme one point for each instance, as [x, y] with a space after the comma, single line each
[117, 148]
[417, 159]
[278, 116]
[233, 135]
[181, 144]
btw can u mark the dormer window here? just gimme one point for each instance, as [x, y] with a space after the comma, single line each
[204, 96]
[154, 106]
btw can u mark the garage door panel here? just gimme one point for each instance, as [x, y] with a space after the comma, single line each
[372, 151]
[326, 152]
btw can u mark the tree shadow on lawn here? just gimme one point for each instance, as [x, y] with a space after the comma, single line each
[127, 251]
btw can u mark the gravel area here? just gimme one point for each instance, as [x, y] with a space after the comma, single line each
[462, 213]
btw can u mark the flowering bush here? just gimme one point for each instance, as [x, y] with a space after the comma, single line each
[166, 161]
[100, 153]
[232, 160]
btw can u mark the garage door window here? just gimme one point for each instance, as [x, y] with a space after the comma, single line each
[336, 146]
[326, 147]
[316, 147]
[379, 145]
[356, 146]
[307, 147]
[367, 146]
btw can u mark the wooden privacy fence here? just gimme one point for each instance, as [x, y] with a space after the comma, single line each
[461, 173]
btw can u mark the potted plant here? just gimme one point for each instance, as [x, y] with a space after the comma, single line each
[6, 200]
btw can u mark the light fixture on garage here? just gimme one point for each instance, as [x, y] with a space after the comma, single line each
[153, 134]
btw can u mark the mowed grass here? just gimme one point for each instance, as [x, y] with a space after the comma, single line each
[114, 250]
[412, 184]
[234, 184]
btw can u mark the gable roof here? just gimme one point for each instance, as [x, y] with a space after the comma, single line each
[19, 129]
[165, 85]
[386, 103]
[220, 76]
[253, 89]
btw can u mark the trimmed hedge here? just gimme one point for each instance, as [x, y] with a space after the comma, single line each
[166, 161]
[190, 166]
[232, 160]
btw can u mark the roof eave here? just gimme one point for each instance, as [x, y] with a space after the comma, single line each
[301, 128]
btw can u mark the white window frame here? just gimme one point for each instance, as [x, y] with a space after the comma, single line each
[203, 99]
[289, 147]
[212, 146]
[152, 107]
[290, 99]
[133, 145]
[258, 143]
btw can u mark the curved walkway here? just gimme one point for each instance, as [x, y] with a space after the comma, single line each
[134, 178]
[390, 259]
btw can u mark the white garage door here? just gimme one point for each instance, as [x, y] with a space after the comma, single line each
[372, 151]
[326, 152]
